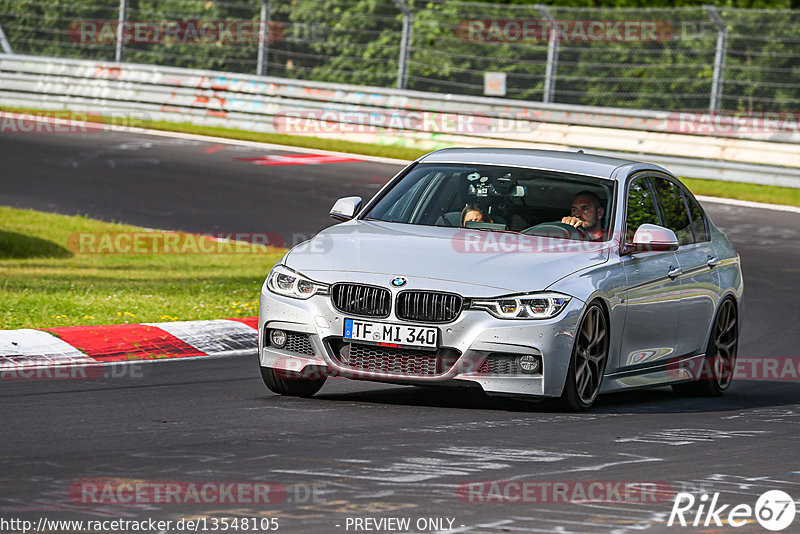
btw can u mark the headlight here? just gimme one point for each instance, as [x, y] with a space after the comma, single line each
[286, 282]
[535, 306]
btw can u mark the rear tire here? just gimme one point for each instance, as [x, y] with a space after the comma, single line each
[588, 362]
[719, 363]
[290, 385]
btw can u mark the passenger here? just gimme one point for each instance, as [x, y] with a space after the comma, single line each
[587, 212]
[473, 213]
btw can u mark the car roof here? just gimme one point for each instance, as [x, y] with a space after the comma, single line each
[571, 162]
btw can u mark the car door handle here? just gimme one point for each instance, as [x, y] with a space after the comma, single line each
[674, 272]
[712, 261]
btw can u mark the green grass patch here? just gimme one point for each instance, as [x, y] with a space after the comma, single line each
[49, 277]
[716, 188]
[771, 194]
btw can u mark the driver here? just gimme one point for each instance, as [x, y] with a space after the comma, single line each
[587, 212]
[473, 213]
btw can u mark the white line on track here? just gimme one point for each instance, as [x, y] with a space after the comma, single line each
[749, 204]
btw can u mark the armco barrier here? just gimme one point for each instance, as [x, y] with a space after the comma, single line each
[259, 103]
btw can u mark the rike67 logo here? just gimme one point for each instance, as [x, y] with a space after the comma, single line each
[774, 510]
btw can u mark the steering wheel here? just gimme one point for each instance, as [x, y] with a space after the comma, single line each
[553, 229]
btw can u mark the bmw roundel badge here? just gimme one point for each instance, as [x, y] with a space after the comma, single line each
[399, 281]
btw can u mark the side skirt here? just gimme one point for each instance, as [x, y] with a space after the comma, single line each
[674, 371]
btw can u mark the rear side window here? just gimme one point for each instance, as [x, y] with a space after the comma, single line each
[676, 217]
[641, 208]
[698, 218]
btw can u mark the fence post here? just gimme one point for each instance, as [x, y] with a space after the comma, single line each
[4, 44]
[263, 39]
[405, 44]
[552, 56]
[119, 54]
[719, 57]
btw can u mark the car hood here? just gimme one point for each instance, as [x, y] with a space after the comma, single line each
[504, 261]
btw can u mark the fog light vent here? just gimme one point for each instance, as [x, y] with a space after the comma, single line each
[528, 363]
[277, 338]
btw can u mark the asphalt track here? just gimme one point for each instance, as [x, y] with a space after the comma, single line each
[367, 450]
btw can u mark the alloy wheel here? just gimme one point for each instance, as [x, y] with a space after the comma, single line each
[725, 343]
[591, 351]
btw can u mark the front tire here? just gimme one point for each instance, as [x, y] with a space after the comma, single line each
[290, 385]
[716, 373]
[588, 362]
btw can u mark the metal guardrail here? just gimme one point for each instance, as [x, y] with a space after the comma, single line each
[264, 103]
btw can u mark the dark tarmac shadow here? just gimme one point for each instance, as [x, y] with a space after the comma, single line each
[742, 396]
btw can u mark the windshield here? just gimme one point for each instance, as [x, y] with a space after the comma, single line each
[488, 197]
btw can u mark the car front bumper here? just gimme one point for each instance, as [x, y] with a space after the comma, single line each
[475, 335]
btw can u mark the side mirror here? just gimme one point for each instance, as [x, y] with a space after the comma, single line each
[346, 208]
[652, 238]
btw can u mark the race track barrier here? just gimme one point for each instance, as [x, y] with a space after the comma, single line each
[765, 153]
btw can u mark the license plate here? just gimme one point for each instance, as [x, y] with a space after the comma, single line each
[398, 335]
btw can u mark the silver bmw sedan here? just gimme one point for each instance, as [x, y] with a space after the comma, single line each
[521, 272]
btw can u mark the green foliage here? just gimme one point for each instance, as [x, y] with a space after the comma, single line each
[361, 37]
[358, 42]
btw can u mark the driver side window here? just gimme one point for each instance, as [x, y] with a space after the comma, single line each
[641, 208]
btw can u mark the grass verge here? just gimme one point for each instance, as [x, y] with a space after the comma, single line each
[771, 194]
[716, 188]
[49, 277]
